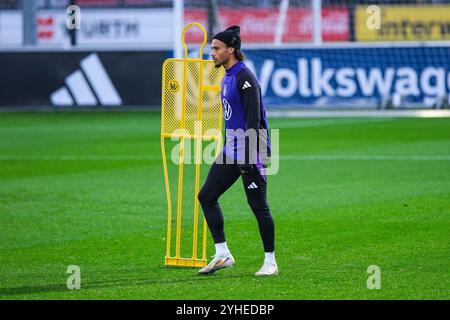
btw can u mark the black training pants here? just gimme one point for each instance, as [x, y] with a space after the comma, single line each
[220, 178]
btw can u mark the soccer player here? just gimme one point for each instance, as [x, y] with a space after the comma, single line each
[243, 111]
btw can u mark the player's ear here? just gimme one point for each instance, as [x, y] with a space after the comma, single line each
[231, 50]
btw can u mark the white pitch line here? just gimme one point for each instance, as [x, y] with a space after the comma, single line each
[281, 158]
[77, 130]
[366, 158]
[290, 123]
[75, 158]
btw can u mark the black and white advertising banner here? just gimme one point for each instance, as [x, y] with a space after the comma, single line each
[80, 79]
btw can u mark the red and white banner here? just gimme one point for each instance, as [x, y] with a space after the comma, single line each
[258, 25]
[154, 27]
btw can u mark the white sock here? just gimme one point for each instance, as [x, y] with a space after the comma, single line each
[270, 258]
[222, 249]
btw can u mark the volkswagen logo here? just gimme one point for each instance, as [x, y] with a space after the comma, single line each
[227, 111]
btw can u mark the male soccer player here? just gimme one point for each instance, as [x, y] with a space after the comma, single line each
[243, 111]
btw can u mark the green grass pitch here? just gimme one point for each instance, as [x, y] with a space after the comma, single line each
[87, 189]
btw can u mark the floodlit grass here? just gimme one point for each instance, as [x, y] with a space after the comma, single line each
[87, 189]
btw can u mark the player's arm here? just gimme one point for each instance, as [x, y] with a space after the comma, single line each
[250, 93]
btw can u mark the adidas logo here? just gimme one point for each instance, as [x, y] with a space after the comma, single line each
[246, 85]
[89, 86]
[252, 186]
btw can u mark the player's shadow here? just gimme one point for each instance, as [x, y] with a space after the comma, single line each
[124, 282]
[12, 291]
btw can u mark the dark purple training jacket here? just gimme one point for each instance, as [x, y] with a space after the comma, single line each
[243, 108]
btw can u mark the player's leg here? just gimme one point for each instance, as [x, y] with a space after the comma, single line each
[255, 185]
[220, 178]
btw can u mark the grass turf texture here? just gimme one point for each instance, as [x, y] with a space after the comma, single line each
[87, 189]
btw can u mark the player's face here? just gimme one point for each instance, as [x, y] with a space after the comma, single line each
[220, 53]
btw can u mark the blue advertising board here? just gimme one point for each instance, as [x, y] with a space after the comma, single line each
[352, 77]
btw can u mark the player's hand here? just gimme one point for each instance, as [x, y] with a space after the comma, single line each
[245, 168]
